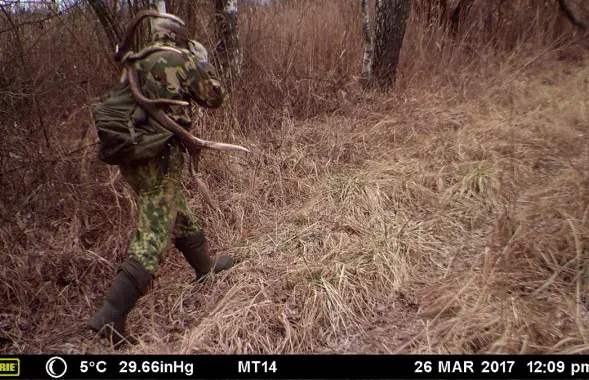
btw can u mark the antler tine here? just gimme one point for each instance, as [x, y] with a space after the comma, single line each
[132, 57]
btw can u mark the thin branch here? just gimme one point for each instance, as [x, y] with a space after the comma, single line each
[39, 21]
[564, 8]
[107, 19]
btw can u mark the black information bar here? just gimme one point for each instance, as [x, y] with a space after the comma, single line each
[294, 367]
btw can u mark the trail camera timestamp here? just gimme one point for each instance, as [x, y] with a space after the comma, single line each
[464, 366]
[573, 368]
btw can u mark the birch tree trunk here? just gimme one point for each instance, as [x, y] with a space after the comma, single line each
[158, 5]
[227, 50]
[391, 22]
[368, 45]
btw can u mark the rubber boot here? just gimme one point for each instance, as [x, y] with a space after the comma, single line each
[194, 248]
[131, 282]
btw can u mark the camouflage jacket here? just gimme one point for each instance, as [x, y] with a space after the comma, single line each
[169, 75]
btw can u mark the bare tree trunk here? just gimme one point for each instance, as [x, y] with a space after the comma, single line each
[107, 20]
[391, 22]
[227, 50]
[158, 5]
[189, 11]
[368, 45]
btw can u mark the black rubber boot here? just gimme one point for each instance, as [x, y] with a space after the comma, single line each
[194, 248]
[131, 282]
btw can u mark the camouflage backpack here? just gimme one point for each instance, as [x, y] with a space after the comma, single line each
[127, 135]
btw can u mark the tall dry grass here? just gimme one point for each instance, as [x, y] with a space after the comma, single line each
[446, 216]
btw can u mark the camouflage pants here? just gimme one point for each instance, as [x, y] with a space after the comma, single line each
[162, 207]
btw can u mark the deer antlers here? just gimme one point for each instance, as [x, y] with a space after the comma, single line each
[154, 107]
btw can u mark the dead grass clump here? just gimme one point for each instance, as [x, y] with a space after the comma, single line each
[526, 268]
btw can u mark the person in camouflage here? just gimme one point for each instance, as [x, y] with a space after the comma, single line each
[163, 210]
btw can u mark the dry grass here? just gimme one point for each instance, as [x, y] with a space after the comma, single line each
[448, 217]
